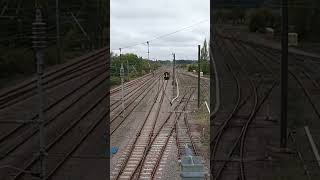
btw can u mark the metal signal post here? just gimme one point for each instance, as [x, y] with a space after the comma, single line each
[127, 70]
[148, 49]
[174, 69]
[122, 88]
[59, 51]
[173, 73]
[149, 57]
[38, 32]
[198, 76]
[284, 75]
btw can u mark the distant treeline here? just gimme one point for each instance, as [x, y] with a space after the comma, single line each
[133, 66]
[186, 61]
[303, 17]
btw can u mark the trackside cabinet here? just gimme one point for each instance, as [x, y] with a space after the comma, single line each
[192, 168]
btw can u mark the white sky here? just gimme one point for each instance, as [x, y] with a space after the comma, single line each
[137, 21]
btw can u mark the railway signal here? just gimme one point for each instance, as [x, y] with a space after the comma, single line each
[59, 51]
[284, 75]
[149, 57]
[173, 73]
[122, 88]
[174, 69]
[38, 31]
[127, 70]
[198, 76]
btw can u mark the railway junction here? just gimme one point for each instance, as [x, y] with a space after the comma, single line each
[245, 131]
[152, 132]
[150, 126]
[74, 122]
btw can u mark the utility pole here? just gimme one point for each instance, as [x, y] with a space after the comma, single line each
[284, 75]
[198, 76]
[59, 51]
[149, 57]
[38, 31]
[148, 49]
[122, 84]
[127, 70]
[97, 45]
[122, 88]
[120, 55]
[174, 69]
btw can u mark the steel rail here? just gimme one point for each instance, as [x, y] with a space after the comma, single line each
[27, 94]
[245, 128]
[54, 73]
[154, 170]
[149, 142]
[32, 131]
[30, 163]
[136, 105]
[14, 130]
[137, 136]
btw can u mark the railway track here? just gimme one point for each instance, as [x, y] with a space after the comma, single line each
[183, 135]
[21, 128]
[203, 83]
[143, 136]
[302, 77]
[166, 132]
[248, 103]
[302, 74]
[134, 100]
[308, 85]
[185, 128]
[75, 112]
[58, 129]
[145, 154]
[62, 142]
[297, 70]
[130, 85]
[53, 77]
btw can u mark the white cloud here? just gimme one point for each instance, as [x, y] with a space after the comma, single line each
[136, 21]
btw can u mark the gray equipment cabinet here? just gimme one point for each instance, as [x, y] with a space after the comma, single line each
[192, 168]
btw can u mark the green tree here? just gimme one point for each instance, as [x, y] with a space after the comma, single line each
[138, 66]
[204, 58]
[204, 54]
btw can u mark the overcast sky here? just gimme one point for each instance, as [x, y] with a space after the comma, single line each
[137, 21]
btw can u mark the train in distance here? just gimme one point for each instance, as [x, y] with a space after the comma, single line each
[166, 75]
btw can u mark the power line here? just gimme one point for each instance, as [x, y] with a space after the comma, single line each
[264, 6]
[163, 35]
[159, 37]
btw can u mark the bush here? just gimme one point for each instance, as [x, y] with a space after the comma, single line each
[205, 68]
[192, 67]
[115, 80]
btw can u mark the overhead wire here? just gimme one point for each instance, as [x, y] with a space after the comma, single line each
[290, 5]
[161, 36]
